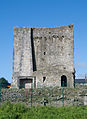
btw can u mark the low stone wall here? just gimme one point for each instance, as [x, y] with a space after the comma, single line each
[53, 96]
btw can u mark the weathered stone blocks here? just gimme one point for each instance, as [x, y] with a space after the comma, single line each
[43, 55]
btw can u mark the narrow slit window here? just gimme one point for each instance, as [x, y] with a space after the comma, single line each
[44, 78]
[44, 53]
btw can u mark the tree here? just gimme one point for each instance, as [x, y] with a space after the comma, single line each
[4, 82]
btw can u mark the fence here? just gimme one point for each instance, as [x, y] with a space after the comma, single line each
[45, 96]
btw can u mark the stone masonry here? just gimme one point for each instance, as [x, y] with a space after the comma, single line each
[43, 57]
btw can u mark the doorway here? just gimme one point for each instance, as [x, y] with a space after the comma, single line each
[63, 81]
[25, 83]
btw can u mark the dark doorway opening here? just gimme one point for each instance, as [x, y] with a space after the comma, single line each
[25, 83]
[63, 81]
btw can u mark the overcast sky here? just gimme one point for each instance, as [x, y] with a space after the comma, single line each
[42, 13]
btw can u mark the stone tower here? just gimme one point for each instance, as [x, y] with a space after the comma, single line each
[43, 56]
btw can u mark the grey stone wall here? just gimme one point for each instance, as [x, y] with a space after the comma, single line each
[54, 96]
[44, 53]
[22, 55]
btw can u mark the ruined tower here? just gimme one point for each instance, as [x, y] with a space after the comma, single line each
[43, 56]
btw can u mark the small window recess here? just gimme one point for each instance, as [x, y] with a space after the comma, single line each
[64, 67]
[44, 78]
[44, 53]
[62, 36]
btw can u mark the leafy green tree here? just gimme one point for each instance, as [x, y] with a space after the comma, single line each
[3, 81]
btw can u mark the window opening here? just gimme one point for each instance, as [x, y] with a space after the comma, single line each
[44, 53]
[44, 78]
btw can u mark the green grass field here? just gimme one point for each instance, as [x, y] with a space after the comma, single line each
[20, 111]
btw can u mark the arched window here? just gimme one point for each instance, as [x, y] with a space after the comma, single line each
[63, 81]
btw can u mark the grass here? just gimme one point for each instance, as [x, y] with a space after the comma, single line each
[20, 111]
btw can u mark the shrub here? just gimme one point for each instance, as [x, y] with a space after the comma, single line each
[20, 111]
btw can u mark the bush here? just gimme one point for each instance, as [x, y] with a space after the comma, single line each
[20, 111]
